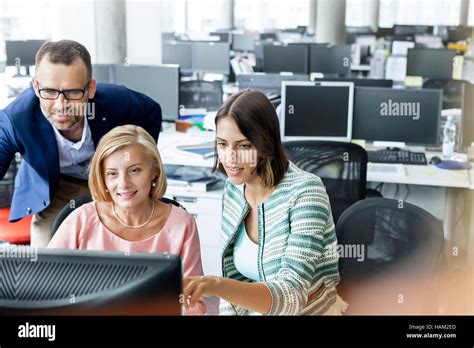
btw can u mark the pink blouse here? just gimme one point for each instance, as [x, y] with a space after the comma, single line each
[83, 230]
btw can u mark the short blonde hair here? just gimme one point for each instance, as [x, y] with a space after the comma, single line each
[115, 140]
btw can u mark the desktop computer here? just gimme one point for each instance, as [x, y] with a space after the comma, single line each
[430, 63]
[270, 83]
[73, 282]
[211, 57]
[159, 82]
[174, 52]
[285, 58]
[317, 111]
[330, 59]
[22, 53]
[411, 116]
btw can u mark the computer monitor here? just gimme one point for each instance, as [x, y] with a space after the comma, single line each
[159, 82]
[22, 53]
[330, 59]
[178, 52]
[211, 57]
[411, 116]
[102, 72]
[317, 110]
[267, 83]
[224, 36]
[431, 63]
[73, 282]
[359, 82]
[244, 42]
[285, 58]
[468, 115]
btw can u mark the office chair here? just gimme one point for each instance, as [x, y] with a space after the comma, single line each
[399, 248]
[201, 94]
[64, 213]
[341, 166]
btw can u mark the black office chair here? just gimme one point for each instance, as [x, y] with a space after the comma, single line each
[401, 245]
[77, 202]
[341, 166]
[201, 94]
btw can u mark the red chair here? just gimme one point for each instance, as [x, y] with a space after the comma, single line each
[14, 232]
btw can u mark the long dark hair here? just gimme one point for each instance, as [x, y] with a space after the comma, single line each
[256, 118]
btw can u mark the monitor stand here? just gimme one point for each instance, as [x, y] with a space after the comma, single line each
[18, 71]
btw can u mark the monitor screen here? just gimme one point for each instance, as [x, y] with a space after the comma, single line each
[468, 115]
[317, 110]
[330, 60]
[267, 83]
[159, 82]
[411, 116]
[244, 42]
[73, 282]
[359, 82]
[22, 52]
[180, 53]
[288, 58]
[431, 62]
[102, 72]
[211, 57]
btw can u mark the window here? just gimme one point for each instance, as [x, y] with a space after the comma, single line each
[419, 12]
[208, 15]
[361, 13]
[470, 20]
[263, 15]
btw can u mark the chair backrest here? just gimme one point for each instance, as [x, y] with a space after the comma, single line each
[201, 94]
[394, 242]
[77, 202]
[341, 166]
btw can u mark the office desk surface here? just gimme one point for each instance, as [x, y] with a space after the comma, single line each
[428, 175]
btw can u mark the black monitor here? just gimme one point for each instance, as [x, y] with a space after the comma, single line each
[431, 63]
[317, 111]
[267, 83]
[244, 42]
[102, 72]
[73, 282]
[330, 59]
[360, 82]
[211, 57]
[411, 116]
[285, 58]
[468, 115]
[224, 36]
[159, 82]
[177, 52]
[22, 53]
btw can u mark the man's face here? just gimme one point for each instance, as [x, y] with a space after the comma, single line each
[62, 113]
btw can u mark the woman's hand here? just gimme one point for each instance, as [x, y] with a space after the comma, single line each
[196, 287]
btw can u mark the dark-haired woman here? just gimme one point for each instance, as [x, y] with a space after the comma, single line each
[279, 243]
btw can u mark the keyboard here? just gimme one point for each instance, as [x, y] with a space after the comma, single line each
[397, 156]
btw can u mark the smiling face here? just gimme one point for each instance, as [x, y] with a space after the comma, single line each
[236, 153]
[128, 177]
[63, 114]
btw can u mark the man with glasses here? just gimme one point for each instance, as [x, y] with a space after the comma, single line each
[56, 125]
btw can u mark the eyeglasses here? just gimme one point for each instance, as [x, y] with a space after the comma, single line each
[69, 94]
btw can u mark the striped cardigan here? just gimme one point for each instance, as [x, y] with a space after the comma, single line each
[296, 244]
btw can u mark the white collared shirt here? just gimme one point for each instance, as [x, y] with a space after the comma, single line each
[74, 158]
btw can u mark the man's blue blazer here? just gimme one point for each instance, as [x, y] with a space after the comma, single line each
[24, 129]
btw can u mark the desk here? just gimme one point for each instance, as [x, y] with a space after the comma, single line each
[435, 190]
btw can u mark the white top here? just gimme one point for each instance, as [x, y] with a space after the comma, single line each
[246, 255]
[74, 157]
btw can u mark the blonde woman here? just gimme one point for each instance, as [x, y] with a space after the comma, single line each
[127, 181]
